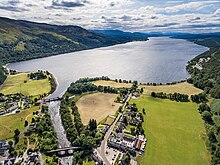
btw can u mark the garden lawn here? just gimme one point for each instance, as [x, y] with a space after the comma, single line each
[174, 132]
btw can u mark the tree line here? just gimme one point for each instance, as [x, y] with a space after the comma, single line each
[175, 96]
[197, 98]
[80, 87]
[212, 131]
[85, 136]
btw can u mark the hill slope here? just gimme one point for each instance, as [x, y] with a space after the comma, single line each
[23, 40]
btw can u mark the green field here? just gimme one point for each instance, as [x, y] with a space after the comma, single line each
[183, 88]
[20, 46]
[16, 84]
[9, 123]
[175, 133]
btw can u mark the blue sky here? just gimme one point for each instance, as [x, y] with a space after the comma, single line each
[195, 16]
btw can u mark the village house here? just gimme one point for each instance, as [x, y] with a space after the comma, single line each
[120, 127]
[4, 146]
[9, 161]
[104, 129]
[121, 144]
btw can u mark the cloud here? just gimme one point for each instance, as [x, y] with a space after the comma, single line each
[77, 19]
[13, 2]
[165, 25]
[59, 4]
[188, 6]
[217, 12]
[13, 8]
[129, 15]
[12, 5]
[153, 17]
[125, 18]
[66, 3]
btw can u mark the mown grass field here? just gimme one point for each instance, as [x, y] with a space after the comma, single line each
[112, 84]
[97, 106]
[16, 84]
[9, 123]
[183, 88]
[175, 133]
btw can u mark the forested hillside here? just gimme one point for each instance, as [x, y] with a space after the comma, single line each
[205, 68]
[23, 40]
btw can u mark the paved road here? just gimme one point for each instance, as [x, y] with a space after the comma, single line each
[103, 146]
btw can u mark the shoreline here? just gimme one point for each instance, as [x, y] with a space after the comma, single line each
[60, 94]
[54, 84]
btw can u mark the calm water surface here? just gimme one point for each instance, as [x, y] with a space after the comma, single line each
[160, 60]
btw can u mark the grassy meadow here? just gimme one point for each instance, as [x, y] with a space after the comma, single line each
[175, 133]
[8, 123]
[21, 83]
[112, 84]
[183, 88]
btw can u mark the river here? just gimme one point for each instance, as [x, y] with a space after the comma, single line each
[63, 142]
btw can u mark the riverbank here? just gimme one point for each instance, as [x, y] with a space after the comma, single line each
[53, 82]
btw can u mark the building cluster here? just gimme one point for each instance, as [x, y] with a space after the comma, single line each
[4, 146]
[128, 144]
[128, 135]
[14, 103]
[33, 158]
[103, 128]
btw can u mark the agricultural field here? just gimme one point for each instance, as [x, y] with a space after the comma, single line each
[9, 123]
[175, 133]
[97, 106]
[112, 84]
[183, 88]
[20, 83]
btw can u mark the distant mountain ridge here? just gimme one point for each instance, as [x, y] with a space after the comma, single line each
[122, 33]
[22, 40]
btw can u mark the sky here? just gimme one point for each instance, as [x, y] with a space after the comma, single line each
[195, 16]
